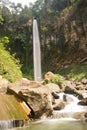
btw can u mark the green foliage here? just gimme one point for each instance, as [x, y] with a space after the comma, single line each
[58, 79]
[4, 41]
[1, 19]
[58, 5]
[17, 25]
[8, 67]
[76, 72]
[28, 73]
[80, 3]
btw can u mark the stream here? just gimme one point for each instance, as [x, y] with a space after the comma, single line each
[69, 118]
[65, 119]
[56, 124]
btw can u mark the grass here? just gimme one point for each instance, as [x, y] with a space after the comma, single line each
[75, 73]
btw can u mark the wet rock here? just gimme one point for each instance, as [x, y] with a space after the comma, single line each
[73, 91]
[59, 105]
[83, 102]
[55, 95]
[67, 98]
[85, 87]
[79, 115]
[84, 94]
[85, 115]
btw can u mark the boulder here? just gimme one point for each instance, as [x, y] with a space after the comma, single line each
[79, 115]
[37, 98]
[83, 102]
[70, 84]
[85, 87]
[48, 76]
[70, 89]
[58, 105]
[84, 81]
[84, 94]
[53, 87]
[25, 82]
[85, 115]
[67, 98]
[55, 95]
[79, 86]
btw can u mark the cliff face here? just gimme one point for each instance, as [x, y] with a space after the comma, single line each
[72, 24]
[75, 26]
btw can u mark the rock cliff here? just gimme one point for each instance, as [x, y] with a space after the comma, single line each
[72, 35]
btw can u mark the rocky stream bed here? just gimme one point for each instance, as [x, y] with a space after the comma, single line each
[36, 100]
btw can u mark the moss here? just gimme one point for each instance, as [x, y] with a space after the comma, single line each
[10, 108]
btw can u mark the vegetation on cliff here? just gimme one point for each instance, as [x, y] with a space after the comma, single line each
[63, 34]
[9, 68]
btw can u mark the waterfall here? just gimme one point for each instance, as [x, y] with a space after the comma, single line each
[36, 52]
[9, 124]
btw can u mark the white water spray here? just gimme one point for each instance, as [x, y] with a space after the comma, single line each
[72, 110]
[36, 52]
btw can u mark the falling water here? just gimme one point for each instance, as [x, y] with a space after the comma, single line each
[36, 52]
[9, 124]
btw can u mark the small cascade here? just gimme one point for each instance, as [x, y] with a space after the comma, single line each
[71, 103]
[71, 109]
[9, 124]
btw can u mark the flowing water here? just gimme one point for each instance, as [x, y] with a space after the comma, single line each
[56, 125]
[72, 109]
[36, 52]
[9, 124]
[69, 118]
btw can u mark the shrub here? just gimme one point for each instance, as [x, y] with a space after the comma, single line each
[9, 66]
